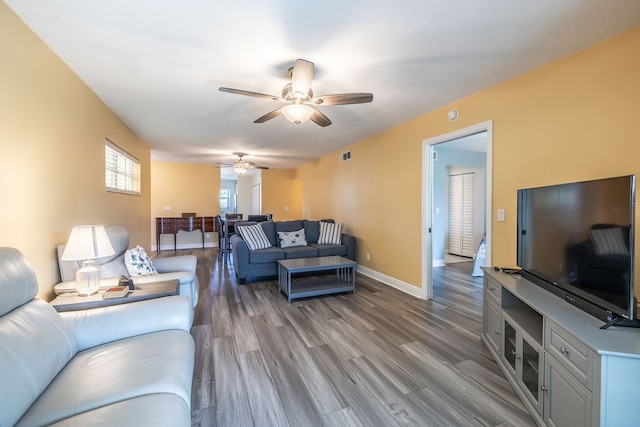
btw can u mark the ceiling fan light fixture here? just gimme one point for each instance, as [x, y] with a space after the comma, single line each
[297, 113]
[241, 166]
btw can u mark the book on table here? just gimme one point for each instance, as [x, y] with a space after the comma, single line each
[116, 292]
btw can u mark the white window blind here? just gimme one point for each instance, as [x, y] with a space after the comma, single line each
[461, 214]
[122, 170]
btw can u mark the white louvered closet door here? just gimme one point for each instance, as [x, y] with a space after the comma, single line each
[256, 199]
[461, 214]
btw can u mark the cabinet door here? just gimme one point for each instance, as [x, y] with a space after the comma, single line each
[530, 372]
[492, 321]
[509, 348]
[523, 357]
[567, 403]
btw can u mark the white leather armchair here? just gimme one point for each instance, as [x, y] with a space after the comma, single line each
[129, 364]
[181, 267]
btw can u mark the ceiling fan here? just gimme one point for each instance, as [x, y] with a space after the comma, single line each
[241, 166]
[299, 97]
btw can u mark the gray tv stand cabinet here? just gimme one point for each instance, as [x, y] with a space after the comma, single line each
[565, 369]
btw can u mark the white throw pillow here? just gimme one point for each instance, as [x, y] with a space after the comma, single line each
[289, 239]
[138, 262]
[254, 236]
[330, 233]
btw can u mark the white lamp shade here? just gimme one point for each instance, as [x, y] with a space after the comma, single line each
[297, 113]
[87, 242]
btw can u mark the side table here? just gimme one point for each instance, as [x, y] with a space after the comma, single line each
[71, 301]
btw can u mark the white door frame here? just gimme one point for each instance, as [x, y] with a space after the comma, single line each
[428, 151]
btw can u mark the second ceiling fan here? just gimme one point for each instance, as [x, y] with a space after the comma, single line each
[240, 165]
[299, 97]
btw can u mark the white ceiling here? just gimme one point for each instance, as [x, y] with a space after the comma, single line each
[158, 64]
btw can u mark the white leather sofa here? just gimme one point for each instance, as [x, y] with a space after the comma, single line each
[124, 365]
[181, 267]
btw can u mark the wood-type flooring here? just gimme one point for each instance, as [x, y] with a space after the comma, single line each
[378, 357]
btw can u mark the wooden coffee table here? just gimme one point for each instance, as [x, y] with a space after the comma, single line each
[71, 301]
[343, 281]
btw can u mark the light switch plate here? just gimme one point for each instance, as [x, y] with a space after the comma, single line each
[500, 214]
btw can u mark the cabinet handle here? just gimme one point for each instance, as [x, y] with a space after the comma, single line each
[491, 288]
[496, 332]
[564, 350]
[543, 388]
[515, 355]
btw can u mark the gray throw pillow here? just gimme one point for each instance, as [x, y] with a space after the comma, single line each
[289, 239]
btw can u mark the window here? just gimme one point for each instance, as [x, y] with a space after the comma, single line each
[122, 170]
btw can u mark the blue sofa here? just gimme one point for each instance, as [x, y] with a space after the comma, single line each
[264, 262]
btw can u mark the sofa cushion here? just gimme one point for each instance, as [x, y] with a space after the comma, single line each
[301, 252]
[16, 269]
[269, 229]
[290, 239]
[153, 410]
[331, 250]
[262, 256]
[35, 345]
[160, 362]
[312, 229]
[330, 233]
[254, 235]
[138, 262]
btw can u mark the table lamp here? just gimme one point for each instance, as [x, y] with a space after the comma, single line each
[86, 243]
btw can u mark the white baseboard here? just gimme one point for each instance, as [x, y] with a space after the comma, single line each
[438, 263]
[170, 247]
[390, 281]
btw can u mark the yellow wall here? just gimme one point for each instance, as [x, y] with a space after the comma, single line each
[569, 120]
[573, 119]
[281, 194]
[52, 134]
[184, 187]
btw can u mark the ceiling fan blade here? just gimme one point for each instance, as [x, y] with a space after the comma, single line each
[254, 166]
[301, 78]
[249, 93]
[268, 116]
[343, 99]
[320, 119]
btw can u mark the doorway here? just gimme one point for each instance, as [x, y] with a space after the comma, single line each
[240, 194]
[438, 152]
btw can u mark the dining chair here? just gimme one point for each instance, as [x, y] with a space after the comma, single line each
[224, 243]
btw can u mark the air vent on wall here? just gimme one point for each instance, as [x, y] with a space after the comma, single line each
[345, 156]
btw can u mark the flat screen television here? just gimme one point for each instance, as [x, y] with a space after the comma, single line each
[577, 241]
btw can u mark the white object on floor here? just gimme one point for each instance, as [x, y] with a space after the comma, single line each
[481, 259]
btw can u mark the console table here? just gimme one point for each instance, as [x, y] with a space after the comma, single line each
[565, 369]
[71, 301]
[166, 225]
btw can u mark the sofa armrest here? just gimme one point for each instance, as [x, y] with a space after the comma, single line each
[176, 263]
[350, 242]
[105, 324]
[240, 256]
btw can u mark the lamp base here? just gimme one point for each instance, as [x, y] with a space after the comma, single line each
[88, 278]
